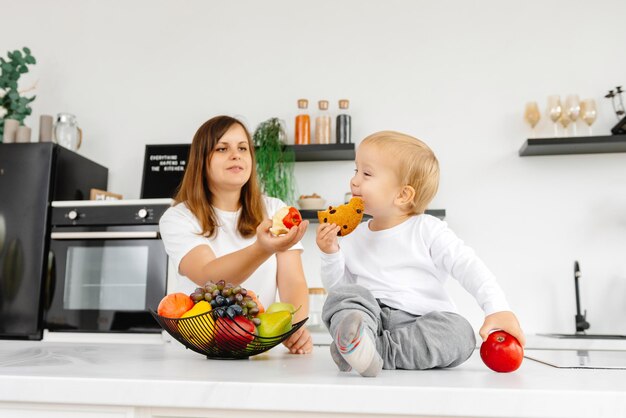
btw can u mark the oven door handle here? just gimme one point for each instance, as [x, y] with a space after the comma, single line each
[105, 235]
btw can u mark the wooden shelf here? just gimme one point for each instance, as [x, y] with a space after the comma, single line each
[323, 152]
[574, 145]
[311, 215]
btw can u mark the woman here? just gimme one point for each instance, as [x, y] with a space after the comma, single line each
[218, 228]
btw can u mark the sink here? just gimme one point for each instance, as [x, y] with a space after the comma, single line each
[579, 359]
[587, 336]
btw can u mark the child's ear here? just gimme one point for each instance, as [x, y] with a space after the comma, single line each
[405, 196]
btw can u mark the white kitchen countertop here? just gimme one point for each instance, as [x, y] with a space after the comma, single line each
[167, 375]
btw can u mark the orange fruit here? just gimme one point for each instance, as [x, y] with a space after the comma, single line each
[174, 305]
[254, 297]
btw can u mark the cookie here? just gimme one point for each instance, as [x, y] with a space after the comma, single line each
[346, 216]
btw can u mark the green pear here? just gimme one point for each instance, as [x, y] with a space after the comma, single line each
[274, 324]
[279, 307]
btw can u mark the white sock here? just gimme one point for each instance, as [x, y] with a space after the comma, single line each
[356, 345]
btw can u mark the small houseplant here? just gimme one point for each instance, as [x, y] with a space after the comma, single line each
[12, 104]
[274, 161]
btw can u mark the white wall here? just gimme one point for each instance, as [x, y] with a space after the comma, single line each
[454, 73]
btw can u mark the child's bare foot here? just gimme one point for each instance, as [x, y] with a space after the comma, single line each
[357, 345]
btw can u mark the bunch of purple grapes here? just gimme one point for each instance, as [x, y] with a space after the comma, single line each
[228, 300]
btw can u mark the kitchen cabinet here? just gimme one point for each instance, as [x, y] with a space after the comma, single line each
[573, 145]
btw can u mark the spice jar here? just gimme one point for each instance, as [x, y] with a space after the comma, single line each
[303, 124]
[317, 297]
[344, 123]
[322, 124]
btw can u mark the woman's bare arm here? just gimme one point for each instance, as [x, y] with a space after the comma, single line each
[201, 265]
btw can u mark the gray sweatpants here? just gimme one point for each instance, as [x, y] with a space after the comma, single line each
[403, 340]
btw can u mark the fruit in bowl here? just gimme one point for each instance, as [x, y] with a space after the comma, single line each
[222, 321]
[202, 330]
[228, 300]
[174, 305]
[277, 320]
[311, 202]
[234, 334]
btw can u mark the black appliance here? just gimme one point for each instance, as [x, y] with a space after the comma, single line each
[110, 266]
[31, 176]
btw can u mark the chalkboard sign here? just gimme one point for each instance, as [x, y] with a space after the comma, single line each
[163, 170]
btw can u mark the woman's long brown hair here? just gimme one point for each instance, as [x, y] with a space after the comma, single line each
[194, 188]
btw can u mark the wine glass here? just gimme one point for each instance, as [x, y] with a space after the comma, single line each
[588, 112]
[532, 115]
[572, 109]
[564, 120]
[554, 111]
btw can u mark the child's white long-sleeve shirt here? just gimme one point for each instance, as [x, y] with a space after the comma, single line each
[406, 266]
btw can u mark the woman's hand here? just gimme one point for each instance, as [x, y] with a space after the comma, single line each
[299, 342]
[273, 244]
[505, 321]
[326, 238]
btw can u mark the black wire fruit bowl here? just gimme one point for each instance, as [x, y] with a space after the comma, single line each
[216, 336]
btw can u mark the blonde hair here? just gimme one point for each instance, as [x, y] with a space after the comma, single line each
[414, 162]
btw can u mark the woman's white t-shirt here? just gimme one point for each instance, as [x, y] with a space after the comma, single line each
[181, 233]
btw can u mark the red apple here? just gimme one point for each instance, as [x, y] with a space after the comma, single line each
[231, 336]
[284, 219]
[293, 218]
[501, 352]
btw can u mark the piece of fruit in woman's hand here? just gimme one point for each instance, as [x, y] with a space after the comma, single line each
[501, 352]
[174, 305]
[284, 219]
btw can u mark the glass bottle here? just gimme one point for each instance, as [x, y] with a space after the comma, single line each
[66, 131]
[303, 124]
[344, 123]
[322, 124]
[317, 297]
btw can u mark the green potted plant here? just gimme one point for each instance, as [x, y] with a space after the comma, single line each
[12, 105]
[274, 161]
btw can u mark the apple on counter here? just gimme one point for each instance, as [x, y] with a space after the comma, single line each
[501, 352]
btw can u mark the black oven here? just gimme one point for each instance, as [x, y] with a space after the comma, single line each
[107, 268]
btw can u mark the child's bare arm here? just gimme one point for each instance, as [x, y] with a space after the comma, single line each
[505, 321]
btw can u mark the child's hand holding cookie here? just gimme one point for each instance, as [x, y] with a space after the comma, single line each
[326, 238]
